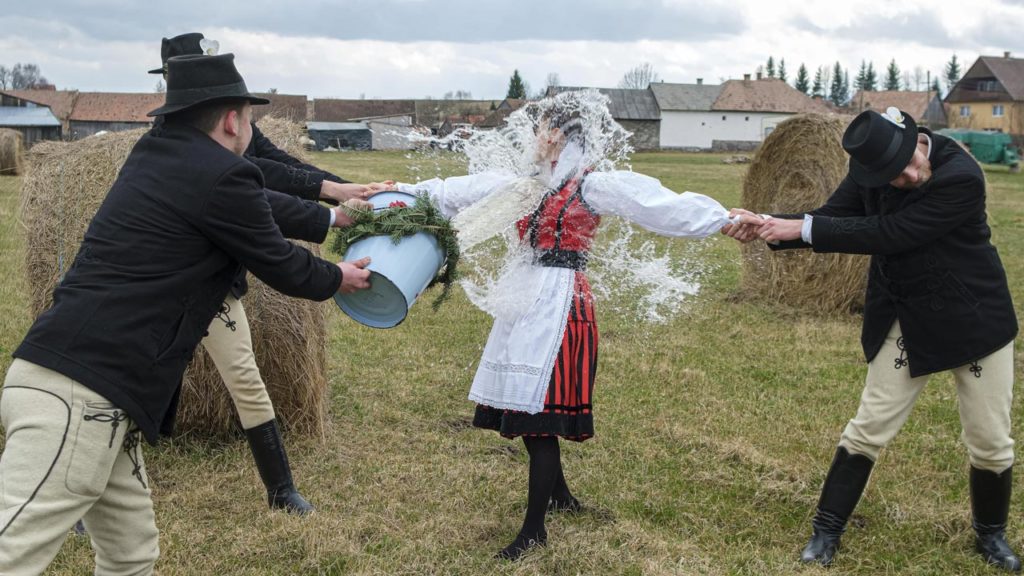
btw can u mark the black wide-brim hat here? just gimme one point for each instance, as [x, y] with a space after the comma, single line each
[181, 45]
[880, 146]
[194, 80]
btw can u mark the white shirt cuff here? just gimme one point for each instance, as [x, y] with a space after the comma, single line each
[805, 230]
[334, 216]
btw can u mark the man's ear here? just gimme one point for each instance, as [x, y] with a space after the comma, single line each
[230, 122]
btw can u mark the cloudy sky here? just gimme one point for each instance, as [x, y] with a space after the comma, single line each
[419, 48]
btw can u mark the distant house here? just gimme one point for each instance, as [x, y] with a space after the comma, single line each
[686, 118]
[990, 96]
[926, 108]
[60, 102]
[497, 117]
[34, 122]
[340, 135]
[636, 110]
[111, 112]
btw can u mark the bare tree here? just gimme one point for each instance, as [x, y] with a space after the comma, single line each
[553, 80]
[5, 78]
[919, 77]
[639, 77]
[160, 88]
[26, 76]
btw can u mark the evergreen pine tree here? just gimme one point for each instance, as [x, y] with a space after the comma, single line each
[936, 87]
[837, 90]
[862, 75]
[803, 82]
[892, 76]
[770, 67]
[871, 78]
[782, 70]
[818, 89]
[516, 88]
[952, 72]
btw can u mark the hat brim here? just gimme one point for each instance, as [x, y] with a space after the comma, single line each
[157, 71]
[172, 108]
[889, 172]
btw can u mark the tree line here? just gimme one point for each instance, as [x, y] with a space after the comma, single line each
[831, 83]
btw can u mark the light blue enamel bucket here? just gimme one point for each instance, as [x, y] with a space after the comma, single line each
[398, 272]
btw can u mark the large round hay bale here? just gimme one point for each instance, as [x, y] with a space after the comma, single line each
[796, 169]
[63, 188]
[11, 152]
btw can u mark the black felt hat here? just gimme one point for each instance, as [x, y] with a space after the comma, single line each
[181, 45]
[193, 80]
[880, 146]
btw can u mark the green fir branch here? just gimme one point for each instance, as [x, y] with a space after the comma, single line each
[398, 222]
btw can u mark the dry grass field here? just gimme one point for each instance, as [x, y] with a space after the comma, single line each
[714, 433]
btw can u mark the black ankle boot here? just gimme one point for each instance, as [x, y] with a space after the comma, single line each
[272, 463]
[839, 496]
[990, 503]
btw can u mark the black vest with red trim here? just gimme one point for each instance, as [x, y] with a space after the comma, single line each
[562, 228]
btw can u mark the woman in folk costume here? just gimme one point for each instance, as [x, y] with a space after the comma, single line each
[536, 376]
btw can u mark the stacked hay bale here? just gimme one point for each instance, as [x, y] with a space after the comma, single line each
[63, 188]
[796, 169]
[11, 152]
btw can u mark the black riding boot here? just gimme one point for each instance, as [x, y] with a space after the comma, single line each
[272, 463]
[839, 496]
[990, 503]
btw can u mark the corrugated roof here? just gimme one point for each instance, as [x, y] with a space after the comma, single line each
[23, 116]
[913, 103]
[765, 95]
[685, 97]
[336, 126]
[61, 102]
[623, 103]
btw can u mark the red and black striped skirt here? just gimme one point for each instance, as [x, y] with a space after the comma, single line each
[567, 407]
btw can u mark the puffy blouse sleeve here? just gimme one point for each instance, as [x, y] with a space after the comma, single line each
[643, 200]
[452, 195]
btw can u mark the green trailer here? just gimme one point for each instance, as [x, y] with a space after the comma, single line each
[987, 147]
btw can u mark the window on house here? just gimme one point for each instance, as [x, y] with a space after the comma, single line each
[965, 111]
[746, 118]
[997, 110]
[723, 117]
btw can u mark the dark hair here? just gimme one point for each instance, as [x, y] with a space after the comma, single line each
[204, 117]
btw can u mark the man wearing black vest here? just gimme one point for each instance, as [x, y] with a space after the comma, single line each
[937, 300]
[103, 366]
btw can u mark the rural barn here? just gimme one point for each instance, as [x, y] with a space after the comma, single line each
[340, 135]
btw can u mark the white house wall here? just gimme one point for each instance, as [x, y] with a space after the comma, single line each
[700, 129]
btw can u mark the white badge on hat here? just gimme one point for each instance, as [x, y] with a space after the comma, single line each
[893, 114]
[209, 47]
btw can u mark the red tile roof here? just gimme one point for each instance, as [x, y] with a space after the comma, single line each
[288, 106]
[914, 103]
[115, 106]
[765, 95]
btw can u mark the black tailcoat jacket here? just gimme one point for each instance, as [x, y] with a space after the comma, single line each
[933, 266]
[154, 267]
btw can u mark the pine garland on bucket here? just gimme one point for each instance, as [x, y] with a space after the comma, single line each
[399, 220]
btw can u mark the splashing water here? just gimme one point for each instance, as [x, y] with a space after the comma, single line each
[629, 272]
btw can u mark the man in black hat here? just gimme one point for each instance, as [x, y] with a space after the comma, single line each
[937, 300]
[281, 171]
[229, 342]
[103, 366]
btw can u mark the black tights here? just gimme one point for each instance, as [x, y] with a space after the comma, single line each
[547, 488]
